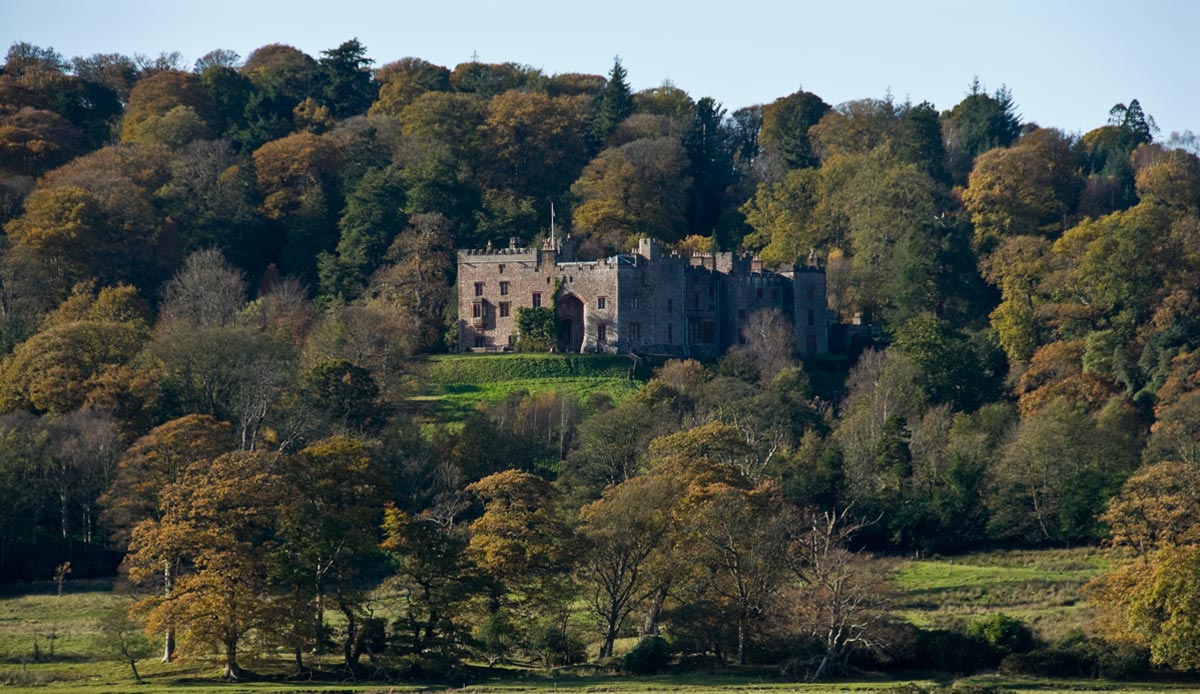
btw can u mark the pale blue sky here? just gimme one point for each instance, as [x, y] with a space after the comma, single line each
[1066, 62]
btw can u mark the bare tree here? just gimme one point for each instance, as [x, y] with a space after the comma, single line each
[206, 293]
[283, 311]
[769, 342]
[82, 462]
[841, 600]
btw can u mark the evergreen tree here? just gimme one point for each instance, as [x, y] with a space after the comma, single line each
[346, 84]
[710, 157]
[374, 214]
[920, 141]
[616, 104]
[785, 124]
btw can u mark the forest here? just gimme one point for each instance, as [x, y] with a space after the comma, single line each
[221, 287]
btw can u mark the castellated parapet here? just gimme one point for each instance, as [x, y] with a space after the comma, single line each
[645, 302]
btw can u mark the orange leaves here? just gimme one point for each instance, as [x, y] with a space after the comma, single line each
[520, 535]
[289, 167]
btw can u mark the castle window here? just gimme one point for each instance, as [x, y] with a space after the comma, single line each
[635, 332]
[695, 300]
[633, 302]
[601, 333]
[480, 341]
[602, 302]
[708, 331]
[670, 305]
[504, 289]
[479, 289]
[808, 292]
[504, 309]
[811, 317]
[502, 270]
[477, 309]
[537, 299]
[810, 343]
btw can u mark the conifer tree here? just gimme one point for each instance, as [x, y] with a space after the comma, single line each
[616, 104]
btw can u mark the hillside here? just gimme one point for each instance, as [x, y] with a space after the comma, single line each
[458, 383]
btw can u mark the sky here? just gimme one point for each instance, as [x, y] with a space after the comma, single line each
[1066, 63]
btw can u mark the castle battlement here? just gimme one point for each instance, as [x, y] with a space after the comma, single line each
[646, 301]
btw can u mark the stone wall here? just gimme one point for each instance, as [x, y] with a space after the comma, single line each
[644, 302]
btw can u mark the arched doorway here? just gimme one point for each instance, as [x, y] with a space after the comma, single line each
[570, 323]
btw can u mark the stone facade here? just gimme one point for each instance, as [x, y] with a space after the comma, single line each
[645, 302]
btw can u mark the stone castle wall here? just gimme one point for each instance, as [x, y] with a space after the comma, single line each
[644, 302]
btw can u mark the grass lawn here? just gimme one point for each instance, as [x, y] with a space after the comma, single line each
[459, 382]
[1043, 588]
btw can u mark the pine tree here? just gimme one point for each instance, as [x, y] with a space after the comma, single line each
[616, 104]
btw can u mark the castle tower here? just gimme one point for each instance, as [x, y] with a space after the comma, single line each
[811, 318]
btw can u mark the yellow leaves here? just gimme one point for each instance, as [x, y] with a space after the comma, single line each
[157, 95]
[783, 217]
[1025, 189]
[54, 218]
[1158, 506]
[47, 372]
[520, 535]
[288, 168]
[1154, 601]
[635, 189]
[714, 441]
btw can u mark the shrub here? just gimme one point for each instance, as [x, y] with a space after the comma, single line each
[651, 655]
[955, 652]
[537, 328]
[1078, 656]
[1048, 662]
[1123, 661]
[1003, 634]
[556, 647]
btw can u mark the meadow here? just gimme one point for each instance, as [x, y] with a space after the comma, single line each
[1041, 587]
[458, 383]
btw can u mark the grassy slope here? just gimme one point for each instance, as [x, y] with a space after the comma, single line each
[459, 382]
[1043, 588]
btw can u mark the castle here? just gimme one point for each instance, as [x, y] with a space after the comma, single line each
[645, 302]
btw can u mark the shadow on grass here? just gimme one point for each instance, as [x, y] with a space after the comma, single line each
[90, 585]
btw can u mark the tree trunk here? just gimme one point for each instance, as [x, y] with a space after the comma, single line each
[133, 666]
[742, 639]
[169, 637]
[650, 626]
[349, 652]
[232, 670]
[820, 669]
[606, 650]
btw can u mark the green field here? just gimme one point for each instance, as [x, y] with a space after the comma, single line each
[1041, 587]
[460, 382]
